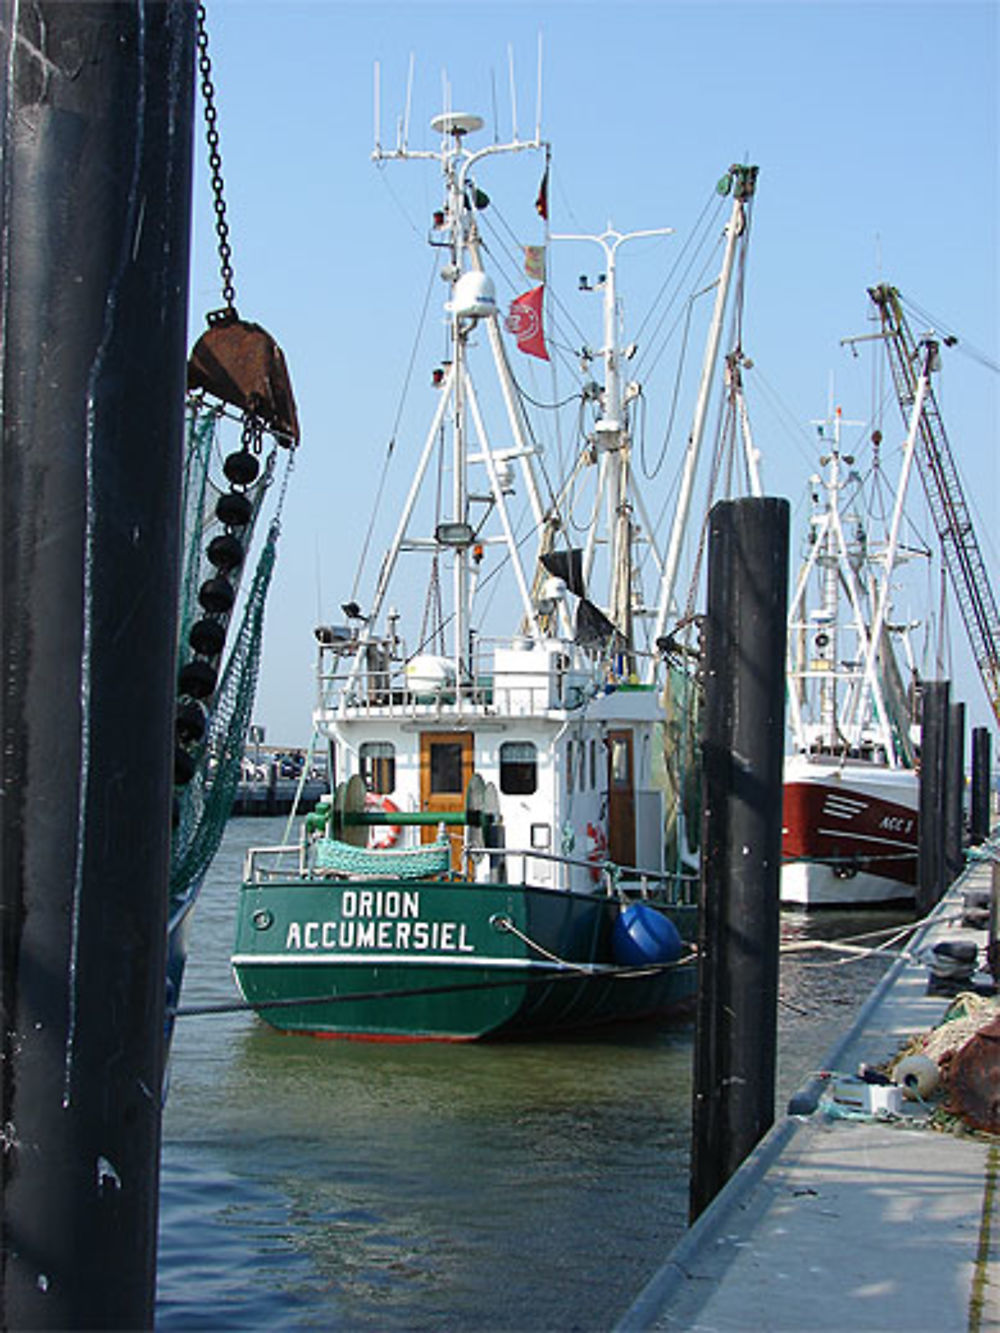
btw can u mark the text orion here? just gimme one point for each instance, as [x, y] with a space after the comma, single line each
[382, 919]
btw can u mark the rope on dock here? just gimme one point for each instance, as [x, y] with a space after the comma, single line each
[853, 953]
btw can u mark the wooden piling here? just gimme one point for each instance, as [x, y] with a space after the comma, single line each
[993, 932]
[979, 811]
[954, 794]
[742, 748]
[934, 717]
[95, 205]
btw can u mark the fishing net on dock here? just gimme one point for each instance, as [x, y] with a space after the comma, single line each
[965, 1047]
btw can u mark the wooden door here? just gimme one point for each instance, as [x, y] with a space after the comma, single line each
[446, 763]
[621, 798]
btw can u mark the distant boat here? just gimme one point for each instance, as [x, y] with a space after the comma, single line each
[851, 790]
[491, 859]
[851, 820]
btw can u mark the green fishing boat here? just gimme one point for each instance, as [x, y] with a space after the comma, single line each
[492, 858]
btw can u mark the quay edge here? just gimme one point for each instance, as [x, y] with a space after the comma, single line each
[848, 1223]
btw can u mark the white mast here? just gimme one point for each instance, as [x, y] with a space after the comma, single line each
[744, 181]
[459, 402]
[892, 545]
[613, 443]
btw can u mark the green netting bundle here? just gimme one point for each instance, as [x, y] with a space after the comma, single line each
[418, 863]
[203, 802]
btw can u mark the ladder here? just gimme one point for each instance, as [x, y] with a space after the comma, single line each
[910, 361]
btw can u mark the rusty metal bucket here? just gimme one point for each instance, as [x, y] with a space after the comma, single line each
[240, 363]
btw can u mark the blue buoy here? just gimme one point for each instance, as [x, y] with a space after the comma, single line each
[642, 935]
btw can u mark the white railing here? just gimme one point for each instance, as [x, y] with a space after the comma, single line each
[265, 865]
[548, 681]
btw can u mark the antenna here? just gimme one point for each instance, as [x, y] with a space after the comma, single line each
[538, 105]
[378, 100]
[409, 96]
[445, 92]
[513, 92]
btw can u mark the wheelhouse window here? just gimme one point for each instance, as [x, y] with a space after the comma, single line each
[518, 768]
[378, 767]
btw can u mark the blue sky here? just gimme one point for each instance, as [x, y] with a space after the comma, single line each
[875, 127]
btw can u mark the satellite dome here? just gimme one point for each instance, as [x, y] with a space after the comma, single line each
[474, 296]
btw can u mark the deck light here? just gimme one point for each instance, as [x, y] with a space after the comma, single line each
[456, 535]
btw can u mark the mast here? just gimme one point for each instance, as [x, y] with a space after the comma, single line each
[472, 304]
[842, 719]
[744, 182]
[895, 527]
[613, 441]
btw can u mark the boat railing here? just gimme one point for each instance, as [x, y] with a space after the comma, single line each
[560, 677]
[683, 888]
[276, 863]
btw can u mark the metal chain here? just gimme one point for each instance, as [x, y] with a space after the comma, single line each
[252, 434]
[215, 162]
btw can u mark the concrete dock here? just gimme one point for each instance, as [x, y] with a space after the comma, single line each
[852, 1223]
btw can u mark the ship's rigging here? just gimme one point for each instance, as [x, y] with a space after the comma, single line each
[912, 362]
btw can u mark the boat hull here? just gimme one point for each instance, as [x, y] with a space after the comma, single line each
[849, 833]
[438, 960]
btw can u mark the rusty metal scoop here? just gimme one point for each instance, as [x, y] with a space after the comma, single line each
[241, 364]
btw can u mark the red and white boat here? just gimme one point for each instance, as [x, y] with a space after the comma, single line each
[851, 790]
[850, 831]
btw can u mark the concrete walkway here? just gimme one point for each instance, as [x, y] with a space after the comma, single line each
[850, 1224]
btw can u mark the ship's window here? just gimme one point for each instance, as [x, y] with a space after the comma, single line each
[593, 764]
[582, 747]
[518, 768]
[378, 767]
[446, 767]
[569, 768]
[621, 775]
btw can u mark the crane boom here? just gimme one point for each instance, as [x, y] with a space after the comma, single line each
[910, 362]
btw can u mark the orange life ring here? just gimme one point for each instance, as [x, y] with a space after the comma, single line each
[382, 836]
[597, 850]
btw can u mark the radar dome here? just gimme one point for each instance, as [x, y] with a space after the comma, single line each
[474, 296]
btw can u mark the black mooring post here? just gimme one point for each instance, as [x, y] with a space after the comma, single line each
[979, 813]
[934, 716]
[742, 751]
[993, 928]
[95, 169]
[954, 794]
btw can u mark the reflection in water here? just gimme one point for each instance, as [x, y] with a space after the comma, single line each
[342, 1184]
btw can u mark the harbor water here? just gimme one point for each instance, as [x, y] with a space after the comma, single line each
[337, 1184]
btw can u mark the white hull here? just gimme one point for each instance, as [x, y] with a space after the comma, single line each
[811, 884]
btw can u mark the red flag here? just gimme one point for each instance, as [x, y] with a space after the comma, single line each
[524, 321]
[542, 202]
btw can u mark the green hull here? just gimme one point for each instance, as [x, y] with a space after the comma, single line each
[437, 960]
